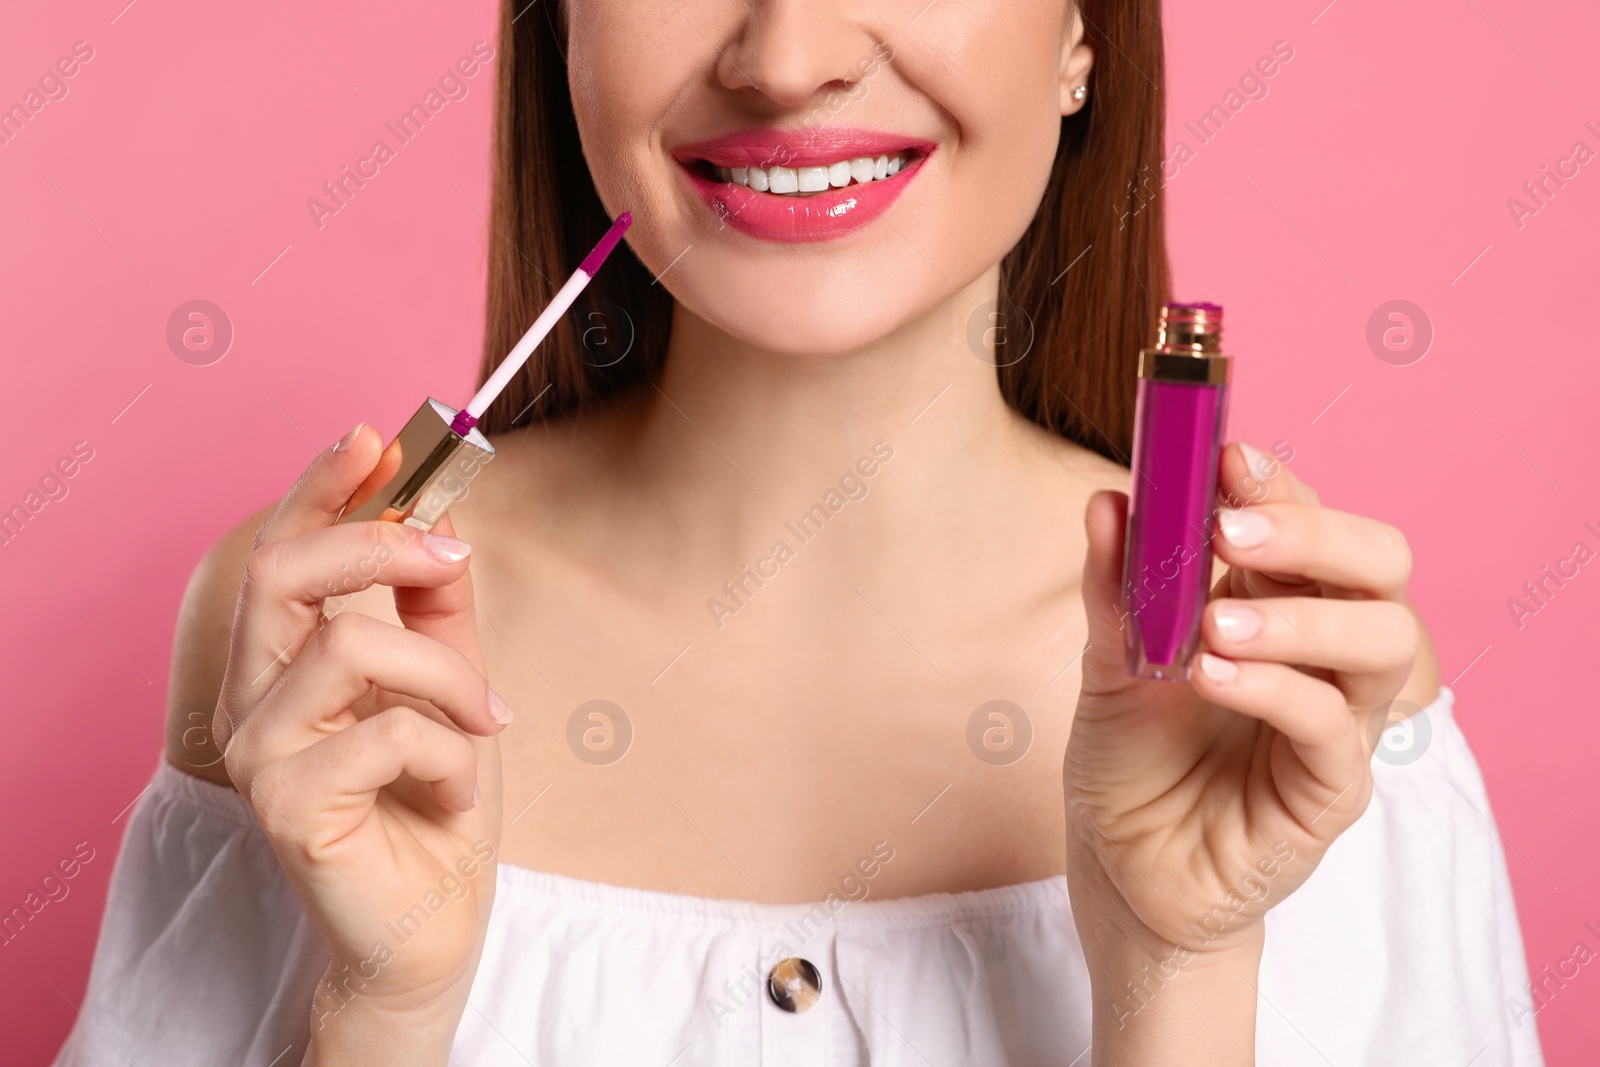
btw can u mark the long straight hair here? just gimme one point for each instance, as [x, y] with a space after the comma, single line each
[1085, 282]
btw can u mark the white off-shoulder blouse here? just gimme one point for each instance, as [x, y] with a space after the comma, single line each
[1402, 948]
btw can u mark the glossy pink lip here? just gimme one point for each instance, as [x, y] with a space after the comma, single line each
[819, 217]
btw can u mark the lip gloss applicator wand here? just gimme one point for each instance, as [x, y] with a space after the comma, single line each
[431, 462]
[428, 466]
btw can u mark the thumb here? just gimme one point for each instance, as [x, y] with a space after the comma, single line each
[1105, 661]
[446, 613]
[316, 500]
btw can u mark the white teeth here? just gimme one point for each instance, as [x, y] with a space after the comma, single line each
[790, 181]
[783, 180]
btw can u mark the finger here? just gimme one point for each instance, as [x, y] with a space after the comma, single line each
[446, 612]
[350, 656]
[1369, 644]
[388, 465]
[1327, 740]
[320, 794]
[1318, 544]
[1105, 659]
[1246, 583]
[1247, 475]
[286, 581]
[320, 494]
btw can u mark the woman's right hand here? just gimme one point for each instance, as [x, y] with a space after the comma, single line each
[366, 750]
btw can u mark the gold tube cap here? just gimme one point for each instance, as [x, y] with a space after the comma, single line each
[424, 470]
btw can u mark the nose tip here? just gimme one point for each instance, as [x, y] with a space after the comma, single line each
[790, 51]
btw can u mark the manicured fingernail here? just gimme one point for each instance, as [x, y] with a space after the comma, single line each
[1236, 622]
[344, 443]
[1218, 669]
[1256, 462]
[477, 795]
[446, 549]
[499, 710]
[1245, 528]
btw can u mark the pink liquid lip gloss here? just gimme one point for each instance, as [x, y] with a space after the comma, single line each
[431, 462]
[1177, 440]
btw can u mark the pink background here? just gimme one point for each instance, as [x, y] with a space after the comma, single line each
[178, 167]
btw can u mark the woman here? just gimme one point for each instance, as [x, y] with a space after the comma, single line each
[737, 817]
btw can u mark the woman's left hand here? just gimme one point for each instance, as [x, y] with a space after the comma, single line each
[1193, 809]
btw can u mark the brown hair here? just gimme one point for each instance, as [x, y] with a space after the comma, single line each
[1088, 322]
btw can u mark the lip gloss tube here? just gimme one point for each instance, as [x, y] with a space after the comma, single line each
[1177, 439]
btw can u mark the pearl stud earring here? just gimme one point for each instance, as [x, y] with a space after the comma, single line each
[1080, 92]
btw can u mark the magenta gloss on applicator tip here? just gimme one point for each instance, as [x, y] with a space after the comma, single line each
[1181, 414]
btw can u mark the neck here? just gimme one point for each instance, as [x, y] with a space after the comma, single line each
[736, 442]
[746, 416]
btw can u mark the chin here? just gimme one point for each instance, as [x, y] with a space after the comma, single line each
[819, 299]
[802, 309]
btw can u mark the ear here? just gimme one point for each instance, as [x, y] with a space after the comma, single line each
[1077, 60]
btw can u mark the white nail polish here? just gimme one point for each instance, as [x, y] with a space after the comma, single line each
[1237, 623]
[1257, 462]
[1218, 669]
[1243, 527]
[499, 711]
[446, 549]
[344, 443]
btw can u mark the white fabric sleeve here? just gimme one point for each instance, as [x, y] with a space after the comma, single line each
[205, 955]
[1403, 947]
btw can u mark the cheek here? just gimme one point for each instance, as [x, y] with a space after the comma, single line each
[999, 80]
[605, 40]
[630, 66]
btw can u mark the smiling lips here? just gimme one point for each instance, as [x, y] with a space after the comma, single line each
[799, 185]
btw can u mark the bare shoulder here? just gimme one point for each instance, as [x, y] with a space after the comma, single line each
[547, 487]
[200, 650]
[1089, 469]
[569, 447]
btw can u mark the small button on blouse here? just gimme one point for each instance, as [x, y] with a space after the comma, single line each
[794, 984]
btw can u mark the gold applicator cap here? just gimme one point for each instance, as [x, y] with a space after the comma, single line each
[423, 471]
